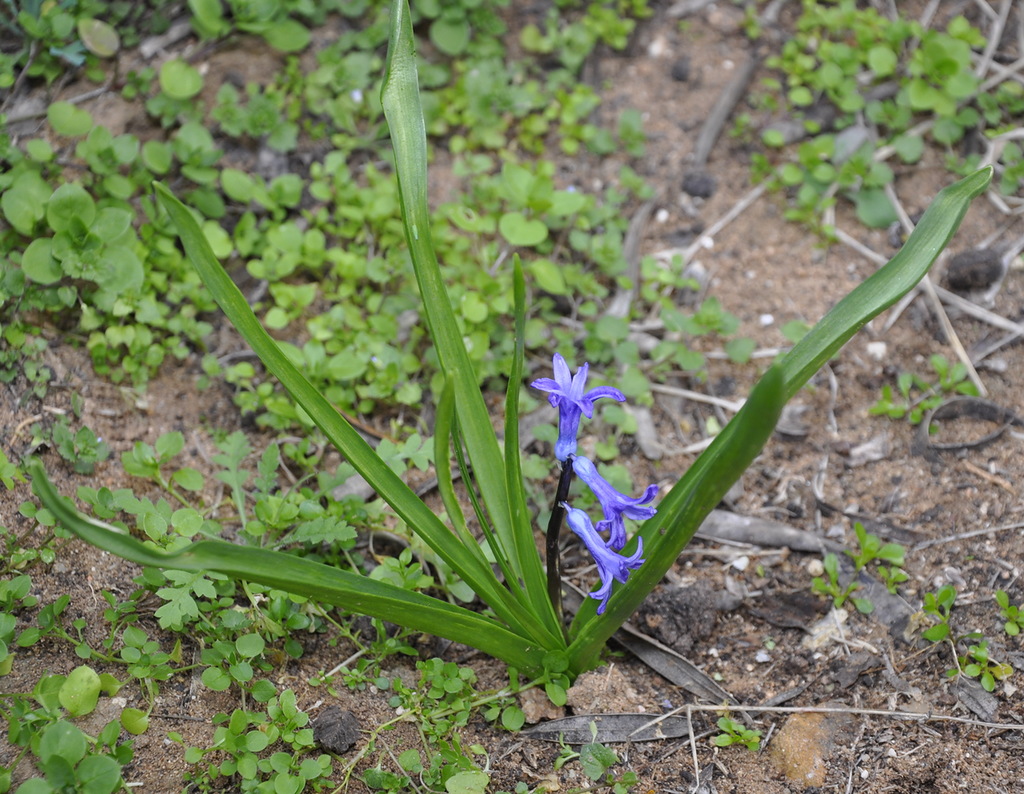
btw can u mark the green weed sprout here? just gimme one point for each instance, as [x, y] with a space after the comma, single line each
[522, 625]
[734, 732]
[1012, 615]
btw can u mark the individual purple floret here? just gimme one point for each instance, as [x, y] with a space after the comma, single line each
[566, 393]
[611, 566]
[615, 504]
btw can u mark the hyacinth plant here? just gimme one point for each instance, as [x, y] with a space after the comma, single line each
[522, 623]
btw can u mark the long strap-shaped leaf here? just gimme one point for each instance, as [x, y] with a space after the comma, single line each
[388, 485]
[702, 487]
[347, 590]
[886, 285]
[402, 109]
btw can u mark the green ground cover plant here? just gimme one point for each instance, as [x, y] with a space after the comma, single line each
[865, 88]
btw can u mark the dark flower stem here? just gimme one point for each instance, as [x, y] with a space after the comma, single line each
[554, 526]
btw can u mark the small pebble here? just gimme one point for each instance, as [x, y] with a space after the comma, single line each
[699, 184]
[681, 69]
[766, 320]
[878, 350]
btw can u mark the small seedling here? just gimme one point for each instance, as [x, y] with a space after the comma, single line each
[949, 379]
[977, 663]
[871, 548]
[830, 586]
[1013, 615]
[734, 732]
[596, 760]
[938, 606]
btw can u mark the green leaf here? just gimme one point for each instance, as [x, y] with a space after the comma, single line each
[98, 37]
[450, 34]
[180, 80]
[67, 203]
[882, 60]
[471, 782]
[874, 209]
[288, 35]
[63, 740]
[98, 774]
[80, 691]
[208, 18]
[403, 111]
[69, 120]
[522, 231]
[548, 276]
[39, 264]
[24, 202]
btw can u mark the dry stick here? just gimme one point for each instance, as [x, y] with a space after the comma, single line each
[719, 114]
[967, 535]
[697, 397]
[707, 237]
[984, 8]
[75, 100]
[899, 715]
[978, 312]
[929, 290]
[995, 36]
[686, 7]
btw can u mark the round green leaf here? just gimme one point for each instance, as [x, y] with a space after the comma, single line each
[67, 202]
[450, 34]
[220, 241]
[98, 774]
[98, 37]
[548, 276]
[208, 18]
[520, 230]
[473, 309]
[801, 96]
[216, 679]
[156, 156]
[69, 120]
[62, 739]
[188, 478]
[180, 80]
[473, 782]
[39, 150]
[512, 718]
[80, 691]
[288, 35]
[874, 208]
[237, 185]
[882, 60]
[39, 264]
[135, 721]
[250, 645]
[24, 202]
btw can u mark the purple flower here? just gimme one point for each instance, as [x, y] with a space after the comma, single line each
[611, 566]
[566, 393]
[615, 504]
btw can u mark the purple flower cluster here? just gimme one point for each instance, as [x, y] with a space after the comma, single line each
[568, 394]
